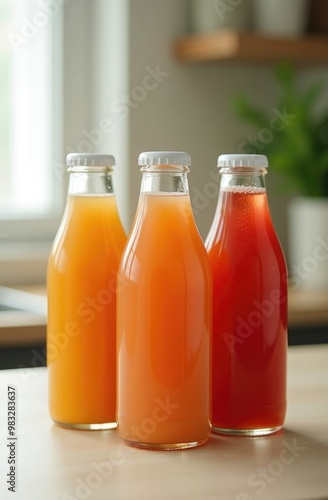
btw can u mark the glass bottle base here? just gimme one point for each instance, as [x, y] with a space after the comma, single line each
[164, 446]
[88, 427]
[247, 432]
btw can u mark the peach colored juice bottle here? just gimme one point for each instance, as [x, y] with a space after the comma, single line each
[164, 315]
[82, 274]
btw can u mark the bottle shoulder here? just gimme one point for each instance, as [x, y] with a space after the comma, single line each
[164, 234]
[87, 226]
[244, 236]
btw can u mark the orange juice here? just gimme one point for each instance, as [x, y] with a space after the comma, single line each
[81, 338]
[164, 316]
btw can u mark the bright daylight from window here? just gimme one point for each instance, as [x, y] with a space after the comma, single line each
[25, 110]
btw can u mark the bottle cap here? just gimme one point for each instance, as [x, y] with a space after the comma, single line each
[89, 160]
[164, 158]
[257, 161]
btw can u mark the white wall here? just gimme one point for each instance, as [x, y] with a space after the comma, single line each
[189, 110]
[110, 81]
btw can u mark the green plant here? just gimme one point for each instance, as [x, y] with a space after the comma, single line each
[299, 150]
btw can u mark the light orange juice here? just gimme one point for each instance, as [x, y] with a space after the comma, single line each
[81, 338]
[164, 316]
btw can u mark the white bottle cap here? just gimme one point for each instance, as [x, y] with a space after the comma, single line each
[89, 160]
[257, 161]
[164, 158]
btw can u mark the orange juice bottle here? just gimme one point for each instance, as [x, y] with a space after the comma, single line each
[164, 315]
[82, 275]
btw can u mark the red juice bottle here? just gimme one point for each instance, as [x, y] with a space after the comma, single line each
[249, 304]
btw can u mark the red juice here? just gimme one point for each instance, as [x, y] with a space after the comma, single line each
[249, 315]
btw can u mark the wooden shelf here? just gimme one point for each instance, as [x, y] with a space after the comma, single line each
[239, 46]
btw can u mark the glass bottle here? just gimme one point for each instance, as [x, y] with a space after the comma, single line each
[249, 304]
[81, 282]
[164, 314]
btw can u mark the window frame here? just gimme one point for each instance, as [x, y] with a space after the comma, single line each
[24, 240]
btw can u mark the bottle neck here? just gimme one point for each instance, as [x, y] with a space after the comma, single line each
[243, 177]
[239, 188]
[164, 179]
[95, 181]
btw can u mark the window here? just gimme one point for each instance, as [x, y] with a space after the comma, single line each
[30, 67]
[50, 52]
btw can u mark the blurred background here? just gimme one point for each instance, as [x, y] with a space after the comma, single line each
[126, 76]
